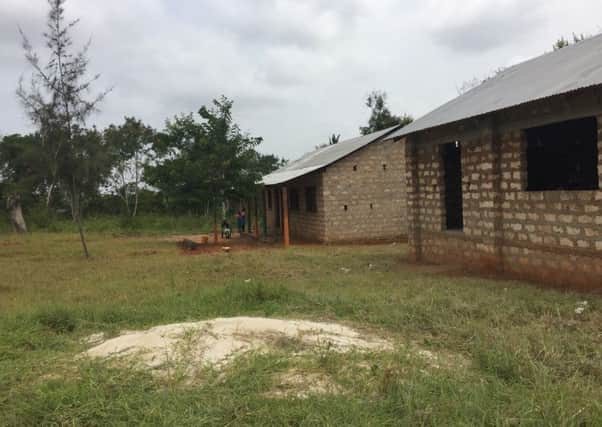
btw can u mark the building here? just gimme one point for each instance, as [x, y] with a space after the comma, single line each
[350, 191]
[507, 176]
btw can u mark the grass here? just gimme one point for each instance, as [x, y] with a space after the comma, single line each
[529, 359]
[145, 224]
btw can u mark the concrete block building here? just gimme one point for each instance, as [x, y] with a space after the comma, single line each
[508, 176]
[350, 191]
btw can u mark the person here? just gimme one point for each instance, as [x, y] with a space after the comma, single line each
[243, 219]
[226, 230]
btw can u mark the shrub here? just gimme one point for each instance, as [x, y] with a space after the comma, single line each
[58, 320]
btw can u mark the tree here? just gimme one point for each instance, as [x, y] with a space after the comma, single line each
[332, 140]
[381, 117]
[20, 177]
[475, 81]
[57, 103]
[204, 163]
[129, 144]
[563, 42]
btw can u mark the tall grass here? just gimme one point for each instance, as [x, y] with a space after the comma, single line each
[141, 224]
[508, 353]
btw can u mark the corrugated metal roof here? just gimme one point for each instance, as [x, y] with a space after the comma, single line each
[322, 157]
[575, 67]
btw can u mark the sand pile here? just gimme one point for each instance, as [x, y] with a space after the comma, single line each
[217, 341]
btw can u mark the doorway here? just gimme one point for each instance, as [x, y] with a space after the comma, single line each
[452, 166]
[278, 208]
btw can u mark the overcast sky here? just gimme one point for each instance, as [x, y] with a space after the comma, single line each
[298, 70]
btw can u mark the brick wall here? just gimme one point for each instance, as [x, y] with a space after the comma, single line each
[374, 196]
[370, 183]
[303, 225]
[550, 236]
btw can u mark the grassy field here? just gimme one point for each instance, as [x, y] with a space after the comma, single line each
[511, 354]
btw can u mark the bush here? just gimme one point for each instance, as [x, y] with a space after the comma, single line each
[58, 320]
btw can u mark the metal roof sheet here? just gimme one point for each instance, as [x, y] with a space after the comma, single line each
[322, 157]
[575, 67]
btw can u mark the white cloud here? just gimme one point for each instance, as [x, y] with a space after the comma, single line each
[297, 70]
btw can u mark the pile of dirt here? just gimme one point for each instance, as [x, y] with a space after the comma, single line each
[216, 342]
[302, 384]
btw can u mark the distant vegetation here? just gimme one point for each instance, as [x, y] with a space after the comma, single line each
[197, 165]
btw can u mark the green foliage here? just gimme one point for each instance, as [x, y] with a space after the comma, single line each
[58, 319]
[130, 145]
[203, 163]
[562, 42]
[381, 117]
[21, 164]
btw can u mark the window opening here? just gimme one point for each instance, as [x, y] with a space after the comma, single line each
[563, 156]
[311, 203]
[294, 200]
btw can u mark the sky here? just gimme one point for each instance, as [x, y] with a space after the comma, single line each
[297, 70]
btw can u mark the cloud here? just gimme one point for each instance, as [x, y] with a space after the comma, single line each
[478, 26]
[297, 70]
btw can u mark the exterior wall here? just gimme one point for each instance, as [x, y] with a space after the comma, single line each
[550, 236]
[374, 195]
[303, 225]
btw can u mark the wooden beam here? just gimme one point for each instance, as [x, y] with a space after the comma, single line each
[285, 229]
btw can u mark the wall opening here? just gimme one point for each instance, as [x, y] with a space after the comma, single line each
[293, 199]
[278, 208]
[371, 206]
[345, 207]
[452, 169]
[311, 202]
[354, 168]
[384, 166]
[563, 156]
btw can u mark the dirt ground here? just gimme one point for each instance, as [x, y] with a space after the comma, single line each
[217, 341]
[206, 244]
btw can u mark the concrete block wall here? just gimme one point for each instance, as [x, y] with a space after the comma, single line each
[370, 183]
[303, 225]
[554, 237]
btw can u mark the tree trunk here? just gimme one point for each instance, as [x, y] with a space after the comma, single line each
[75, 203]
[13, 204]
[49, 195]
[135, 202]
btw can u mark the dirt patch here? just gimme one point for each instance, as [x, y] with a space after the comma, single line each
[216, 342]
[200, 244]
[301, 384]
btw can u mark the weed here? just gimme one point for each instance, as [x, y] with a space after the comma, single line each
[57, 319]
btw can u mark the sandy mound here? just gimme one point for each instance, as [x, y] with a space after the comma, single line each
[303, 384]
[217, 341]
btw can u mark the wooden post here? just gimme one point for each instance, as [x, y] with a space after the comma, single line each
[256, 209]
[285, 230]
